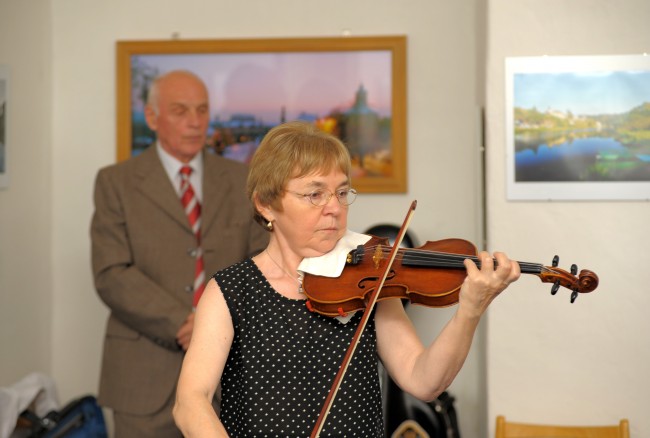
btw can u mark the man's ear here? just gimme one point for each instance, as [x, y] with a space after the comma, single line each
[151, 117]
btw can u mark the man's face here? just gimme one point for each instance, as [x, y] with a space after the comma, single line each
[183, 116]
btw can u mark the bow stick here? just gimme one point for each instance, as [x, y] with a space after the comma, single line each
[329, 401]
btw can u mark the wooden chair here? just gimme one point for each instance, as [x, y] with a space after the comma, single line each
[506, 429]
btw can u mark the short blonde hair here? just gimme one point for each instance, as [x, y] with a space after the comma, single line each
[292, 150]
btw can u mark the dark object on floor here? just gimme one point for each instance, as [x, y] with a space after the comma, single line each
[80, 418]
[407, 416]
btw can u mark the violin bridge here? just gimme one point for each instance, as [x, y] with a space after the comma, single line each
[378, 256]
[356, 256]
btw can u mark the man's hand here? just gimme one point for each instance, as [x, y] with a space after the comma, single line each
[184, 334]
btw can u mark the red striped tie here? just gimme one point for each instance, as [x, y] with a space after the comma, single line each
[193, 211]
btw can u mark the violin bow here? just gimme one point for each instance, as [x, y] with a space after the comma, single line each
[329, 401]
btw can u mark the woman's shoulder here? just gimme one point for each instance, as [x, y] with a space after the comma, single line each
[241, 285]
[239, 267]
[238, 276]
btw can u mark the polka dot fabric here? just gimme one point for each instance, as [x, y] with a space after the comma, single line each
[282, 363]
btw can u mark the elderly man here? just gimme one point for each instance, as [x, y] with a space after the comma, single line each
[164, 221]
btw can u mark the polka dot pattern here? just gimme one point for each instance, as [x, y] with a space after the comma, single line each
[282, 363]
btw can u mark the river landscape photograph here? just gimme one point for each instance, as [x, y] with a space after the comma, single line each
[580, 127]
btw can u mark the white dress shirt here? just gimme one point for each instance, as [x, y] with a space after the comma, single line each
[173, 166]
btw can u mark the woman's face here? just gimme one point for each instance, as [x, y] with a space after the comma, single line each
[310, 230]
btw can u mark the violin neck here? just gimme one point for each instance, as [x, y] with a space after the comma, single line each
[433, 259]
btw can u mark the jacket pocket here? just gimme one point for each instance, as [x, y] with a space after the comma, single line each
[117, 329]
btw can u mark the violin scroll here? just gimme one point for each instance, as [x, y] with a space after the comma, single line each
[585, 282]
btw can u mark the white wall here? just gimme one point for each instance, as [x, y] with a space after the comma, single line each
[26, 206]
[72, 64]
[549, 360]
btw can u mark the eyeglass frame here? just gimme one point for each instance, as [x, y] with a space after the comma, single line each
[329, 196]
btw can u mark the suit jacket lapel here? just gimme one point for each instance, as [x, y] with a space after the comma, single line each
[215, 188]
[155, 184]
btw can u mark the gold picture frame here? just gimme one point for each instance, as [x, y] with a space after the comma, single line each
[305, 76]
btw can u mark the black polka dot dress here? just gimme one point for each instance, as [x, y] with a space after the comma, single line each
[282, 363]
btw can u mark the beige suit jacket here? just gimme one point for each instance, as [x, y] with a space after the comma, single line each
[143, 265]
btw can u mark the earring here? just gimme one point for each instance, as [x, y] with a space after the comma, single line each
[269, 226]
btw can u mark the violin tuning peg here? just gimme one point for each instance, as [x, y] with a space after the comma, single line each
[555, 287]
[574, 295]
[556, 261]
[574, 269]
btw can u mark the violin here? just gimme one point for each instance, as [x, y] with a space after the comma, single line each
[430, 275]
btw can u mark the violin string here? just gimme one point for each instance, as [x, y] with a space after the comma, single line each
[427, 258]
[458, 258]
[434, 258]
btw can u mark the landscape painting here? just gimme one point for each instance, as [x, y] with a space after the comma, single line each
[578, 128]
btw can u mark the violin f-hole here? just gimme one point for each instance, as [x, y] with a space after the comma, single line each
[362, 283]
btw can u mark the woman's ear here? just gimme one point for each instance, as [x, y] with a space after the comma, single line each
[264, 210]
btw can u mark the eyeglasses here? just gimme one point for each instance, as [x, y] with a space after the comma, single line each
[321, 197]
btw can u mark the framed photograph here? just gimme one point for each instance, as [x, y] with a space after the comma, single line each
[4, 105]
[353, 87]
[578, 128]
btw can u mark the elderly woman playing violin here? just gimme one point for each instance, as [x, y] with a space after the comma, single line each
[274, 358]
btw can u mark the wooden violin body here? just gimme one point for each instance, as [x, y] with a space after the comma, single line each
[430, 275]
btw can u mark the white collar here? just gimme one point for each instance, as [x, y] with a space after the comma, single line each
[332, 263]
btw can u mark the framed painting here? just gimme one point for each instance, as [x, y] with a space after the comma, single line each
[578, 127]
[353, 87]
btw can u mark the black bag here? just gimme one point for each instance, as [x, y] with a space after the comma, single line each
[406, 416]
[80, 418]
